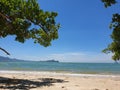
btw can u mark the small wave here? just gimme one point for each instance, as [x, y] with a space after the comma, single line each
[57, 74]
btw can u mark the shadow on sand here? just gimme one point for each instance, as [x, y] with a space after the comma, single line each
[25, 84]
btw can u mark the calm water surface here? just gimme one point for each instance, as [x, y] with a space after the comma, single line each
[86, 68]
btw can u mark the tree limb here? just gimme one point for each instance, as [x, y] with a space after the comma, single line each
[4, 51]
[3, 15]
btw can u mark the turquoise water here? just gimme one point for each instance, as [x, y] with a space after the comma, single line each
[84, 68]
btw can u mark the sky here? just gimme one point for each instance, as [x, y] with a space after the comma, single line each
[84, 33]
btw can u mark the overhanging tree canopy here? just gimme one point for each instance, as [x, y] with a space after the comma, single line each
[114, 47]
[18, 18]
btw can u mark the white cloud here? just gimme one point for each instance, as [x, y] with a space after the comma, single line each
[82, 57]
[74, 57]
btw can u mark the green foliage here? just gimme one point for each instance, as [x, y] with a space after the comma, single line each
[20, 17]
[114, 47]
[108, 2]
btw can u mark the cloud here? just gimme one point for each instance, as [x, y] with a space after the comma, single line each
[81, 57]
[73, 57]
[66, 56]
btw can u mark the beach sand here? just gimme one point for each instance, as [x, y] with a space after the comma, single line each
[57, 81]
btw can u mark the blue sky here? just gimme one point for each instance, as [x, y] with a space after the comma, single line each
[84, 33]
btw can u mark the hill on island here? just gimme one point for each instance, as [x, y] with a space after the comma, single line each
[7, 59]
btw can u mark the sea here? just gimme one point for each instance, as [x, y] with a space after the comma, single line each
[62, 67]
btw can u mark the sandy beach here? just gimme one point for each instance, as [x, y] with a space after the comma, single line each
[18, 80]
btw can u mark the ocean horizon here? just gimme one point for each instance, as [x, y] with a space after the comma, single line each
[62, 67]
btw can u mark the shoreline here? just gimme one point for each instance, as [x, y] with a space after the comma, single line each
[32, 80]
[58, 73]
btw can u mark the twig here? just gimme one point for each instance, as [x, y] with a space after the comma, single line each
[4, 51]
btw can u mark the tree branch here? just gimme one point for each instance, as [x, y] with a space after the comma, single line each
[3, 15]
[4, 51]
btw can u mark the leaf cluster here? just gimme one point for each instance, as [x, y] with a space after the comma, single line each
[26, 20]
[108, 3]
[114, 47]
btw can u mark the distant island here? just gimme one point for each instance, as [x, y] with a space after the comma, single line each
[52, 61]
[7, 59]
